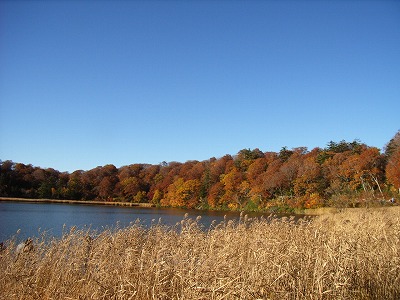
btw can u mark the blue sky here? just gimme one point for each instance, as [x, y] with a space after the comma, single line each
[88, 83]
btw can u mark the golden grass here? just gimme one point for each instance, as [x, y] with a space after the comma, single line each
[348, 255]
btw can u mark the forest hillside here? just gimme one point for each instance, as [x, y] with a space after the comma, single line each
[343, 174]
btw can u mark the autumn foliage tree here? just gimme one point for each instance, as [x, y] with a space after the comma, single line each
[392, 152]
[251, 179]
[393, 170]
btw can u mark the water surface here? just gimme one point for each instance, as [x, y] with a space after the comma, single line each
[31, 219]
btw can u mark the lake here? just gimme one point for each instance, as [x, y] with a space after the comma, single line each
[31, 219]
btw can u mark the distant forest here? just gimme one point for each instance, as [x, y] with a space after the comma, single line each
[342, 174]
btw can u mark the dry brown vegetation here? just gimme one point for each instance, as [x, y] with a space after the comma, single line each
[354, 254]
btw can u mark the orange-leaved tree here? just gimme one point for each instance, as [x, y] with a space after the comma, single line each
[393, 170]
[182, 193]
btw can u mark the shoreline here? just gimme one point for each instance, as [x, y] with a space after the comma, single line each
[88, 202]
[307, 212]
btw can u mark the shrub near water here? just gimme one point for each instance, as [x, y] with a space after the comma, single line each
[349, 255]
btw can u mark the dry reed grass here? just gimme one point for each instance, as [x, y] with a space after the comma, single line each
[349, 255]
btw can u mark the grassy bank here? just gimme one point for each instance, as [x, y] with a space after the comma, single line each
[91, 202]
[346, 255]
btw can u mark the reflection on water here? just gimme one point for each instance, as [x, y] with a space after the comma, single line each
[30, 219]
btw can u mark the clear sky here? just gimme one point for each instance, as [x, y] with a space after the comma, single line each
[89, 83]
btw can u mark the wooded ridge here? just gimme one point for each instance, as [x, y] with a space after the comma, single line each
[342, 174]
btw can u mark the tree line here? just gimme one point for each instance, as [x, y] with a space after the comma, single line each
[341, 174]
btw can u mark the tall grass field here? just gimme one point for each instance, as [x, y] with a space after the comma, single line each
[354, 254]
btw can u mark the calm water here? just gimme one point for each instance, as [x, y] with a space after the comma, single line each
[32, 218]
